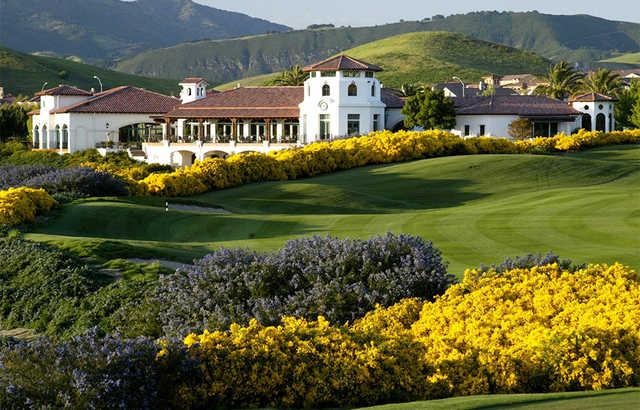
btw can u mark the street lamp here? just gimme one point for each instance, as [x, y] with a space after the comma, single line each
[461, 82]
[99, 81]
[44, 85]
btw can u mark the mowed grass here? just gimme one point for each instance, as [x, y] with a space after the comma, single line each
[477, 209]
[620, 399]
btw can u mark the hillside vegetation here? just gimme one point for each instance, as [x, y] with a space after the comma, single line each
[25, 74]
[101, 30]
[477, 209]
[434, 57]
[579, 38]
[629, 58]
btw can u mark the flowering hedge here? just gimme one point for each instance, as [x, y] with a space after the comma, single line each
[341, 279]
[376, 148]
[21, 205]
[534, 329]
[524, 330]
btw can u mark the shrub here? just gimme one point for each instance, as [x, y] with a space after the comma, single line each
[338, 279]
[21, 205]
[12, 176]
[78, 183]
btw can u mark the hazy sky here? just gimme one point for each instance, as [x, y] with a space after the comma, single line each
[299, 14]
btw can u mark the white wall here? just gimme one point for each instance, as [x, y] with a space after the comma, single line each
[593, 109]
[495, 125]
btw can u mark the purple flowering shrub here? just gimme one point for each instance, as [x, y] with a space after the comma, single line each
[531, 260]
[341, 279]
[90, 371]
[12, 176]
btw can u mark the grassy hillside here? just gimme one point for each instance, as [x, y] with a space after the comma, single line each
[101, 30]
[576, 38]
[620, 399]
[24, 74]
[477, 209]
[434, 57]
[630, 58]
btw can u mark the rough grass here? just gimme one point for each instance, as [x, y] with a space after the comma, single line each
[477, 209]
[630, 58]
[430, 57]
[619, 399]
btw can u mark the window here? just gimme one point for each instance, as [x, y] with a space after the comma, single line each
[352, 91]
[351, 74]
[56, 141]
[376, 122]
[36, 137]
[65, 137]
[188, 91]
[373, 90]
[600, 107]
[467, 130]
[327, 73]
[353, 124]
[482, 129]
[326, 90]
[586, 107]
[325, 126]
[368, 74]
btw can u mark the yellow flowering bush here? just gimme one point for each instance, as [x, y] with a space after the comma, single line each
[376, 148]
[523, 330]
[20, 205]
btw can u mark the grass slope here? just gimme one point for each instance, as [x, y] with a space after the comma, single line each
[434, 57]
[477, 209]
[620, 399]
[630, 58]
[579, 38]
[24, 74]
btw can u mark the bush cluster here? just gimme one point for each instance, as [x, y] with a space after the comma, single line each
[535, 329]
[339, 279]
[22, 205]
[376, 148]
[72, 183]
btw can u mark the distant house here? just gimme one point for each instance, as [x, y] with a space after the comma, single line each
[628, 75]
[521, 83]
[6, 99]
[455, 89]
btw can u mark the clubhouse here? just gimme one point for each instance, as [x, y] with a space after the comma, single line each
[341, 98]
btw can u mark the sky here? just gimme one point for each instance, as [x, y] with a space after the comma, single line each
[299, 14]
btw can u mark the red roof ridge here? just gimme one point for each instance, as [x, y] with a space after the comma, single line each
[104, 94]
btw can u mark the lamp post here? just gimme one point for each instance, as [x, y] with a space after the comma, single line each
[99, 81]
[44, 85]
[461, 82]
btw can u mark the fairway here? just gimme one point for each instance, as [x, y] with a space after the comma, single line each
[620, 399]
[477, 209]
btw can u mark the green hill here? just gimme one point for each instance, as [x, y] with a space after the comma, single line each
[103, 30]
[630, 59]
[24, 74]
[578, 38]
[434, 57]
[477, 209]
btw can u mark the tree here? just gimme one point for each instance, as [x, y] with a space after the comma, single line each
[430, 109]
[520, 129]
[561, 81]
[602, 81]
[627, 98]
[293, 77]
[635, 115]
[13, 122]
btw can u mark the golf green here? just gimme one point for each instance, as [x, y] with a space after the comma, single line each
[477, 209]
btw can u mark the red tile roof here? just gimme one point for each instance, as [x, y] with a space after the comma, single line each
[245, 102]
[193, 80]
[342, 63]
[123, 100]
[521, 105]
[592, 97]
[63, 89]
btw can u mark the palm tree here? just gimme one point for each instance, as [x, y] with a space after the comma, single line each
[294, 76]
[411, 89]
[602, 81]
[561, 81]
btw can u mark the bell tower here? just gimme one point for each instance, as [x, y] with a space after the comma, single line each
[193, 89]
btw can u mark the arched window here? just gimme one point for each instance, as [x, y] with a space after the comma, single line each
[373, 90]
[36, 137]
[188, 91]
[352, 90]
[601, 122]
[56, 141]
[326, 90]
[45, 137]
[65, 137]
[586, 122]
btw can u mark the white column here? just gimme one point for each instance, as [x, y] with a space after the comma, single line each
[214, 131]
[280, 131]
[180, 128]
[246, 128]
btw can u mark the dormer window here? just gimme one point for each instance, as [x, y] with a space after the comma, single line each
[351, 74]
[368, 74]
[352, 91]
[327, 74]
[326, 90]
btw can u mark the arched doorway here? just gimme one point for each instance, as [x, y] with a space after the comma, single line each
[36, 137]
[216, 154]
[601, 122]
[183, 158]
[586, 122]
